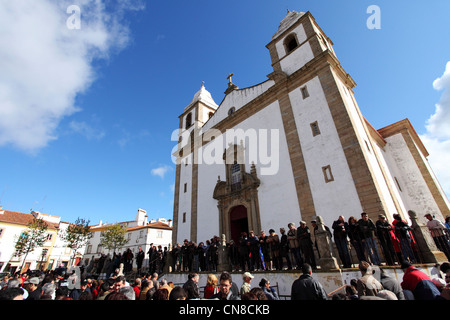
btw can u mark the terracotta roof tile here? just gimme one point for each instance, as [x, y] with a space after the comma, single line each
[22, 218]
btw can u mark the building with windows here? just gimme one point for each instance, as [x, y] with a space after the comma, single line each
[140, 233]
[53, 253]
[293, 147]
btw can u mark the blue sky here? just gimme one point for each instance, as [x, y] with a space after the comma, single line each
[86, 115]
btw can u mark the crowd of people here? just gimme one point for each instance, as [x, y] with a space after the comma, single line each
[415, 285]
[291, 248]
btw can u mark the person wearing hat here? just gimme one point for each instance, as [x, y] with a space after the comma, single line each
[437, 230]
[33, 288]
[76, 293]
[418, 282]
[246, 286]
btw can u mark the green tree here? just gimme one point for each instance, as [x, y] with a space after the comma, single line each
[77, 235]
[32, 238]
[113, 237]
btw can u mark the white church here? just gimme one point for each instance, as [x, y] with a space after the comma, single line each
[294, 147]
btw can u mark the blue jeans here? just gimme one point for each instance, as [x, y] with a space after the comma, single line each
[372, 250]
[406, 249]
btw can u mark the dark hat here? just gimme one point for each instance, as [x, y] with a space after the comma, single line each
[405, 264]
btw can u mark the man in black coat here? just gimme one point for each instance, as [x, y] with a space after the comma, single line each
[191, 286]
[139, 259]
[306, 287]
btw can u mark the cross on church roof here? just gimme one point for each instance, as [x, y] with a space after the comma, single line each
[229, 76]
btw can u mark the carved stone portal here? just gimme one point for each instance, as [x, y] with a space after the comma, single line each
[237, 196]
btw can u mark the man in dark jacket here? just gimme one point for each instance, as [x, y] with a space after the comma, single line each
[340, 231]
[191, 286]
[306, 287]
[139, 259]
[367, 229]
[304, 239]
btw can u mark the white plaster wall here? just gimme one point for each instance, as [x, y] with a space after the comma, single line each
[391, 172]
[237, 99]
[416, 194]
[438, 185]
[338, 197]
[7, 241]
[277, 195]
[357, 121]
[297, 59]
[301, 37]
[207, 211]
[184, 201]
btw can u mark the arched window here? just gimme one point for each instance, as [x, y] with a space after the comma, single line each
[210, 114]
[236, 176]
[231, 111]
[188, 120]
[290, 43]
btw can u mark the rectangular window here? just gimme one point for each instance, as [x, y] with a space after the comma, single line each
[89, 249]
[315, 129]
[398, 184]
[367, 145]
[159, 234]
[184, 217]
[141, 234]
[185, 187]
[328, 175]
[305, 93]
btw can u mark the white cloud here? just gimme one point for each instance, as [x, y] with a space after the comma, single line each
[45, 65]
[437, 137]
[86, 130]
[161, 171]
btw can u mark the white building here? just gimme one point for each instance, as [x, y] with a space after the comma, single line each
[53, 252]
[294, 147]
[140, 233]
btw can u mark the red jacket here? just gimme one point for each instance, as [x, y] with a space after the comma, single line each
[412, 277]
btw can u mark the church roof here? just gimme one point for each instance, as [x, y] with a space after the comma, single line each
[288, 21]
[204, 96]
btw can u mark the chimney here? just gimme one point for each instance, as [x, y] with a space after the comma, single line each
[170, 223]
[1, 210]
[141, 217]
